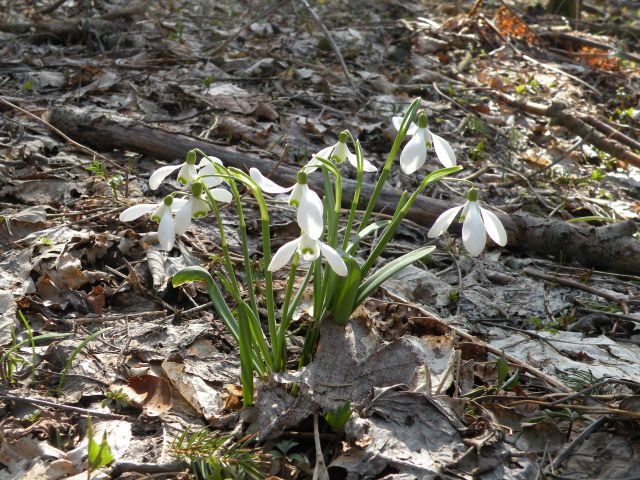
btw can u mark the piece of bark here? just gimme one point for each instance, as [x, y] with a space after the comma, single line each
[611, 248]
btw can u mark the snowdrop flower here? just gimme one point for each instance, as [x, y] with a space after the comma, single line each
[477, 222]
[414, 153]
[308, 203]
[338, 153]
[162, 213]
[189, 171]
[197, 205]
[309, 249]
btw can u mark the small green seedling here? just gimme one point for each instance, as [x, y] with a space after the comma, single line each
[99, 455]
[339, 417]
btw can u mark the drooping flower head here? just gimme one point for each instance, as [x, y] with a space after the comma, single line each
[162, 213]
[477, 222]
[306, 201]
[414, 153]
[309, 249]
[197, 205]
[338, 153]
[189, 172]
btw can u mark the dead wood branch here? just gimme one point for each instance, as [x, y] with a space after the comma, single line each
[610, 248]
[581, 125]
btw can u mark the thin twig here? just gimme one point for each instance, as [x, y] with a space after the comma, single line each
[50, 8]
[333, 45]
[63, 135]
[613, 297]
[62, 406]
[575, 443]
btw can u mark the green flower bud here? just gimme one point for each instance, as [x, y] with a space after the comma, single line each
[301, 178]
[196, 189]
[422, 119]
[191, 157]
[472, 194]
[168, 200]
[343, 137]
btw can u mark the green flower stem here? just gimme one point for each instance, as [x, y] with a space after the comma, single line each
[224, 245]
[402, 212]
[356, 193]
[266, 249]
[296, 300]
[279, 355]
[406, 122]
[334, 201]
[242, 224]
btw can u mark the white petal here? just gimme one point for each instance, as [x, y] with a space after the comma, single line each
[397, 121]
[187, 173]
[367, 166]
[309, 214]
[308, 248]
[494, 227]
[207, 161]
[340, 152]
[283, 255]
[160, 174]
[137, 211]
[474, 235]
[183, 218]
[209, 175]
[221, 195]
[414, 153]
[443, 221]
[333, 259]
[314, 164]
[200, 206]
[166, 230]
[443, 150]
[265, 184]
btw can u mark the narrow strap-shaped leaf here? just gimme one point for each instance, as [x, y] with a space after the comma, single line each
[345, 293]
[375, 280]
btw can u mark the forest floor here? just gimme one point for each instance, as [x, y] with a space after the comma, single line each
[521, 363]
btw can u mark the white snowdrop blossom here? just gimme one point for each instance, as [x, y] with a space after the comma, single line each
[197, 205]
[338, 153]
[309, 249]
[307, 202]
[477, 222]
[189, 172]
[160, 212]
[414, 153]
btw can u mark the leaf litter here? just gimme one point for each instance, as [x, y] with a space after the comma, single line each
[460, 368]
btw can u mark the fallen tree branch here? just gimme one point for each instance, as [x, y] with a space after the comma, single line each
[560, 114]
[610, 248]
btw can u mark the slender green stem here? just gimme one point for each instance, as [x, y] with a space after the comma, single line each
[242, 227]
[402, 213]
[356, 193]
[224, 245]
[279, 349]
[266, 249]
[296, 300]
[406, 122]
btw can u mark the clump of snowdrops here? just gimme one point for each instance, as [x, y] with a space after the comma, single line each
[327, 255]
